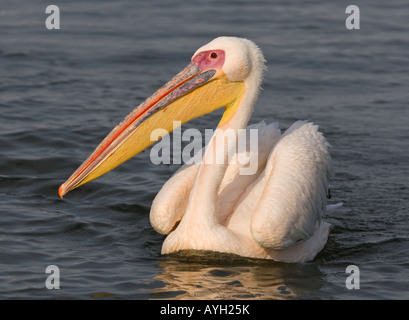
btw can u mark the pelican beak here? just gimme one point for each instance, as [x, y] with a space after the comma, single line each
[195, 91]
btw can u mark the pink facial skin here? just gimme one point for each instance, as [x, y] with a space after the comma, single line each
[211, 59]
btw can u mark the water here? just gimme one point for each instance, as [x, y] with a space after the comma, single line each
[61, 92]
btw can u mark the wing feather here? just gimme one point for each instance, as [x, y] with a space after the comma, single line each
[170, 203]
[294, 197]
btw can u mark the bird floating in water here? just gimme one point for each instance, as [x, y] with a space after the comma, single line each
[276, 213]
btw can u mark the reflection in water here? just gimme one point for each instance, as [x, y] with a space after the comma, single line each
[210, 275]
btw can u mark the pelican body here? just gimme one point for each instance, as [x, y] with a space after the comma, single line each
[276, 213]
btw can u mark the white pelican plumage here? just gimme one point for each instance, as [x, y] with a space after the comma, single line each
[277, 213]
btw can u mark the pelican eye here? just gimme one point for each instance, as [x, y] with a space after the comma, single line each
[213, 55]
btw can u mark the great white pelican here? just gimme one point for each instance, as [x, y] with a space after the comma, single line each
[276, 213]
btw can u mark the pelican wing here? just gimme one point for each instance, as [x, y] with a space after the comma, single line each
[170, 203]
[293, 200]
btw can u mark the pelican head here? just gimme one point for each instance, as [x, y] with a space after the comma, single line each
[220, 74]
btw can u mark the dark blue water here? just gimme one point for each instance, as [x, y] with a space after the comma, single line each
[62, 91]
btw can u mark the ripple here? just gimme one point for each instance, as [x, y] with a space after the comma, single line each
[61, 92]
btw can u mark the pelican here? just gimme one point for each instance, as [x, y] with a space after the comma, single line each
[276, 213]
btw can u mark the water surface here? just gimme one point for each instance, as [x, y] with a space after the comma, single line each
[62, 91]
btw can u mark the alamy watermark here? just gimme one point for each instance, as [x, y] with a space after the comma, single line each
[53, 280]
[352, 281]
[351, 22]
[232, 146]
[53, 20]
